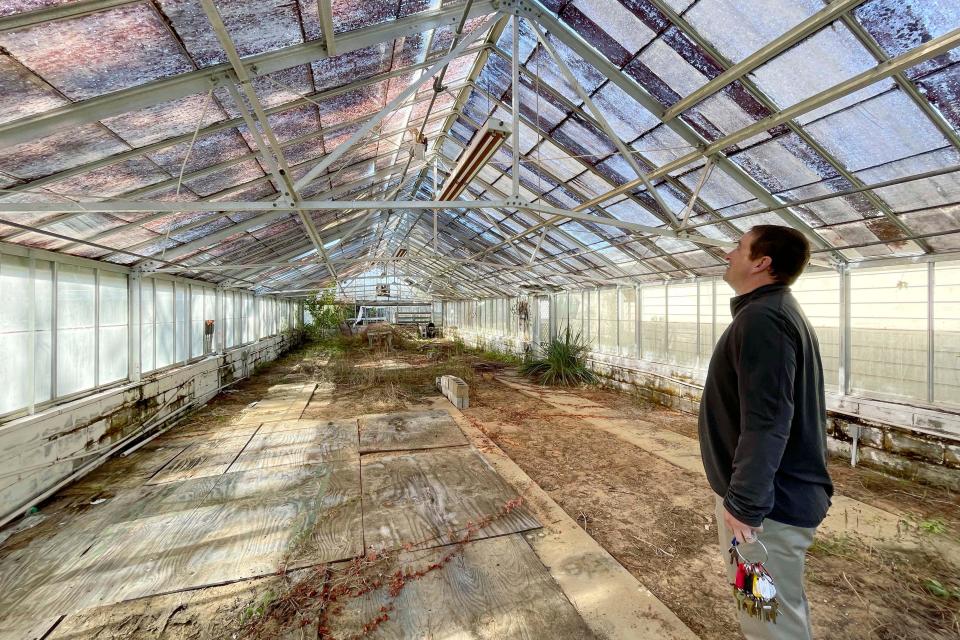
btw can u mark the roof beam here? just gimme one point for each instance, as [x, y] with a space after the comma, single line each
[571, 39]
[345, 146]
[200, 81]
[325, 12]
[915, 56]
[688, 29]
[225, 124]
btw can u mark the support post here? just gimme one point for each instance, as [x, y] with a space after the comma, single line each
[515, 105]
[931, 334]
[845, 333]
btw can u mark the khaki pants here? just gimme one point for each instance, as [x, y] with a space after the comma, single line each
[787, 547]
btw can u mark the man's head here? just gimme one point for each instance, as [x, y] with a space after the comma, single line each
[766, 254]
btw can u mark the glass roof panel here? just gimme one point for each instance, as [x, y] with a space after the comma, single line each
[882, 129]
[823, 60]
[738, 29]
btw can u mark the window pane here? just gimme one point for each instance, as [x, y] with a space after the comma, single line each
[819, 296]
[196, 320]
[592, 317]
[608, 320]
[147, 326]
[76, 339]
[164, 330]
[24, 332]
[113, 327]
[706, 322]
[946, 328]
[576, 313]
[682, 333]
[183, 316]
[560, 306]
[628, 322]
[250, 329]
[888, 331]
[654, 325]
[228, 328]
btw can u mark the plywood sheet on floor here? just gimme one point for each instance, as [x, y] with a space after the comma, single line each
[250, 524]
[282, 402]
[207, 458]
[494, 588]
[326, 442]
[418, 498]
[201, 433]
[213, 613]
[409, 430]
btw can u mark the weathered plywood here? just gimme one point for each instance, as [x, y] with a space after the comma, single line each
[495, 588]
[212, 613]
[208, 458]
[409, 430]
[329, 441]
[249, 525]
[295, 425]
[417, 498]
[282, 402]
[201, 433]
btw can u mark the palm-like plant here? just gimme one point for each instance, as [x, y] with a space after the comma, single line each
[564, 362]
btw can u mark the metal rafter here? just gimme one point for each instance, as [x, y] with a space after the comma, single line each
[688, 30]
[571, 39]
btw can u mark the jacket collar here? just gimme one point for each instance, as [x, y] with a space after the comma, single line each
[739, 302]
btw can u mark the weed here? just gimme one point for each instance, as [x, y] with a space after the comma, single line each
[934, 525]
[563, 362]
[830, 545]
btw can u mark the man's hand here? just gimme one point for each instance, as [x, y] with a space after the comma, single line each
[741, 530]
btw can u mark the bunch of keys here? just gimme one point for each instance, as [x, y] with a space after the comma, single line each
[753, 586]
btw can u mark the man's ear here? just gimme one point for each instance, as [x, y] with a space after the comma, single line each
[764, 263]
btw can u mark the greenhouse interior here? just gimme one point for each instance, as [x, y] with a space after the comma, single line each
[599, 319]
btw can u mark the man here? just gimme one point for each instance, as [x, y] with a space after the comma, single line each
[762, 423]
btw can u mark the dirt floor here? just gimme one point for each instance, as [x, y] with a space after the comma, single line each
[653, 517]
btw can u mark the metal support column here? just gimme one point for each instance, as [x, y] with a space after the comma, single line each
[845, 353]
[515, 105]
[931, 333]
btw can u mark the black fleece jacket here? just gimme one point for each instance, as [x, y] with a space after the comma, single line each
[762, 415]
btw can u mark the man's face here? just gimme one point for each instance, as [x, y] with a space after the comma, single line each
[739, 264]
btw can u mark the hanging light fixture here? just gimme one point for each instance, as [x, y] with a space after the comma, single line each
[485, 144]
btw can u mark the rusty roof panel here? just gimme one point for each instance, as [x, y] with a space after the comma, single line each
[23, 93]
[101, 52]
[254, 27]
[62, 150]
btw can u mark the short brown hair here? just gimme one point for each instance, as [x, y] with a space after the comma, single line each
[788, 249]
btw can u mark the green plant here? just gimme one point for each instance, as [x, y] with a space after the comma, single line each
[934, 525]
[257, 609]
[326, 312]
[938, 589]
[564, 362]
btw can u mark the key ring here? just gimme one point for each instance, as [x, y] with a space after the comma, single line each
[756, 540]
